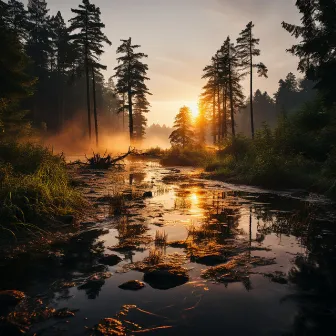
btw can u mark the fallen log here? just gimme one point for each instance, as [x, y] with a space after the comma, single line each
[98, 161]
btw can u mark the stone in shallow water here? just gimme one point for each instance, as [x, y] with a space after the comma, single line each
[110, 260]
[147, 194]
[166, 276]
[132, 285]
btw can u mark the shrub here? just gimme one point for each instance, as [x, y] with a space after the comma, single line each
[178, 156]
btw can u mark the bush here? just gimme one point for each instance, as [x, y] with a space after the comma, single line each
[178, 156]
[35, 187]
[299, 152]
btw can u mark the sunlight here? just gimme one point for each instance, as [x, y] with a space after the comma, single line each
[194, 109]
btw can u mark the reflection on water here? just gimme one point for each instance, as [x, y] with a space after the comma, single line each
[264, 257]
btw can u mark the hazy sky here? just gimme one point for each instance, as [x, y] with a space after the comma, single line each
[180, 36]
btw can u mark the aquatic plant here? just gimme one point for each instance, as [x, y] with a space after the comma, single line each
[161, 238]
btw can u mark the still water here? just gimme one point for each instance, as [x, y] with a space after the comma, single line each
[289, 291]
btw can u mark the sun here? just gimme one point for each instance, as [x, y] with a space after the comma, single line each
[194, 109]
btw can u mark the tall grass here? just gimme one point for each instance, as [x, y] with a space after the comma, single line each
[34, 187]
[177, 156]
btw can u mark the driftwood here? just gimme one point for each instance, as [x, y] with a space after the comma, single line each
[106, 161]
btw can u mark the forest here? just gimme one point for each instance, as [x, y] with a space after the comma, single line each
[113, 222]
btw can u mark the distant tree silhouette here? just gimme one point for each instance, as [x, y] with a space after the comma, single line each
[316, 49]
[39, 49]
[231, 64]
[183, 134]
[141, 107]
[131, 74]
[15, 83]
[89, 38]
[210, 93]
[246, 51]
[223, 90]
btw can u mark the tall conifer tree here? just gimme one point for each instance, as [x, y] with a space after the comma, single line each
[131, 74]
[247, 51]
[89, 38]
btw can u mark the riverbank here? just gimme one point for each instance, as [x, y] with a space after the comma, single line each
[37, 193]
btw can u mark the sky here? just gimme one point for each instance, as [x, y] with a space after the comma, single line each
[181, 36]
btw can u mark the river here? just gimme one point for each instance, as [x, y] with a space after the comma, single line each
[281, 246]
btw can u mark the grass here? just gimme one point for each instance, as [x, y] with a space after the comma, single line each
[177, 156]
[155, 257]
[35, 188]
[161, 238]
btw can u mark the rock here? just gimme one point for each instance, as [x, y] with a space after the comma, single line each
[11, 297]
[132, 285]
[178, 244]
[95, 281]
[147, 194]
[110, 260]
[166, 276]
[209, 260]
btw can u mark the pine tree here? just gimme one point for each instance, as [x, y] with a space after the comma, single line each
[247, 50]
[39, 49]
[183, 134]
[89, 39]
[17, 19]
[286, 96]
[316, 49]
[60, 63]
[15, 83]
[210, 94]
[141, 107]
[230, 68]
[131, 74]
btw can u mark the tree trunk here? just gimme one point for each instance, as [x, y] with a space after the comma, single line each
[123, 113]
[231, 102]
[87, 79]
[219, 116]
[130, 110]
[251, 86]
[95, 105]
[214, 117]
[224, 118]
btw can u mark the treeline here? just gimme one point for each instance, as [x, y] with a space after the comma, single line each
[51, 73]
[227, 110]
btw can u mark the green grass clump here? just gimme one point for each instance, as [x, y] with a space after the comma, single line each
[35, 187]
[177, 156]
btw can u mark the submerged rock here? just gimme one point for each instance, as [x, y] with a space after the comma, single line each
[209, 259]
[95, 281]
[132, 285]
[166, 276]
[110, 260]
[147, 194]
[11, 297]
